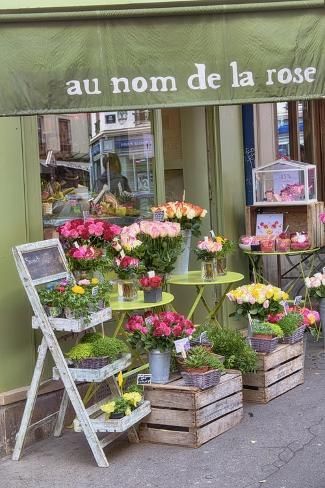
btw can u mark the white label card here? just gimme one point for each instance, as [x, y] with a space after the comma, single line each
[122, 254]
[285, 306]
[182, 345]
[94, 291]
[297, 300]
[212, 234]
[144, 379]
[151, 274]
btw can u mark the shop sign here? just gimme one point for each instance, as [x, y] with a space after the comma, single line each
[149, 62]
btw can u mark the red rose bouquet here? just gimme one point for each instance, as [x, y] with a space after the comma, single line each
[147, 283]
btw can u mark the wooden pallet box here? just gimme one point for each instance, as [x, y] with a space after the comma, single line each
[299, 218]
[276, 373]
[186, 416]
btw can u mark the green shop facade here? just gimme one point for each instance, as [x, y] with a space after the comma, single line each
[189, 64]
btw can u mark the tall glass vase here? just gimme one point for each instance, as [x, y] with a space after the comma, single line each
[127, 290]
[208, 270]
[221, 265]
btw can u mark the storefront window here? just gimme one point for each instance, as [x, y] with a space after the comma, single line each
[98, 164]
[290, 130]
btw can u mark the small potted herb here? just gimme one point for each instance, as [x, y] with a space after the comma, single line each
[202, 368]
[52, 300]
[152, 288]
[293, 327]
[97, 352]
[265, 336]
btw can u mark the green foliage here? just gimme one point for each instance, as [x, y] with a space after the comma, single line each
[200, 357]
[290, 323]
[50, 297]
[160, 254]
[108, 346]
[91, 337]
[266, 328]
[80, 351]
[134, 388]
[121, 405]
[230, 343]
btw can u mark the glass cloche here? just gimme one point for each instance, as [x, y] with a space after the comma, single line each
[285, 182]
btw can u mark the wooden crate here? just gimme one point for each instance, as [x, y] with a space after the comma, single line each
[277, 373]
[186, 416]
[298, 217]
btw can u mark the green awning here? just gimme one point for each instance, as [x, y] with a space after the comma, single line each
[112, 60]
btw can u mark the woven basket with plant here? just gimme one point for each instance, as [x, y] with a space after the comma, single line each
[95, 351]
[202, 369]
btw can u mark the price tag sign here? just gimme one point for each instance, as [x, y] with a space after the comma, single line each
[94, 291]
[122, 254]
[297, 300]
[144, 379]
[182, 345]
[285, 306]
[159, 216]
[151, 274]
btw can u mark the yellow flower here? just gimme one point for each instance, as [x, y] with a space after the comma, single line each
[94, 281]
[108, 408]
[78, 289]
[120, 379]
[133, 397]
[269, 294]
[128, 411]
[285, 296]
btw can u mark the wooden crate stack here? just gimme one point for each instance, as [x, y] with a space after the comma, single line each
[277, 373]
[186, 416]
[299, 218]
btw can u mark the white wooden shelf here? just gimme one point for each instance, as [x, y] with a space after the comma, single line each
[97, 375]
[100, 424]
[76, 325]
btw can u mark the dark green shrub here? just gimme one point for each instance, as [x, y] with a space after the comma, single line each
[200, 357]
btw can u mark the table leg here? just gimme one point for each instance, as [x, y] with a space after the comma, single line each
[196, 302]
[279, 270]
[119, 324]
[213, 312]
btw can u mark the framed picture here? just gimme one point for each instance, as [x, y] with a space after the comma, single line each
[269, 225]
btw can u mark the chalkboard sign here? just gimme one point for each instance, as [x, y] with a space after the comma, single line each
[44, 262]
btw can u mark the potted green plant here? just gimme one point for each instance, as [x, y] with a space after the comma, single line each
[96, 353]
[52, 300]
[265, 336]
[120, 407]
[293, 327]
[202, 368]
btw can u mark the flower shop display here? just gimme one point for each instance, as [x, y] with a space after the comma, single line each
[299, 241]
[206, 252]
[201, 369]
[232, 345]
[89, 232]
[127, 269]
[96, 351]
[189, 217]
[257, 299]
[265, 336]
[122, 406]
[283, 242]
[84, 260]
[75, 300]
[267, 244]
[156, 334]
[152, 288]
[299, 187]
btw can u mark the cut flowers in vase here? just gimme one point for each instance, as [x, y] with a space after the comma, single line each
[127, 267]
[258, 300]
[157, 331]
[90, 232]
[148, 283]
[189, 216]
[85, 257]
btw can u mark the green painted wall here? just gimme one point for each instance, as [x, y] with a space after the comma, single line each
[20, 218]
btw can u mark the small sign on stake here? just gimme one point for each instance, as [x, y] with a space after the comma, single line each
[285, 306]
[144, 379]
[151, 274]
[297, 300]
[182, 345]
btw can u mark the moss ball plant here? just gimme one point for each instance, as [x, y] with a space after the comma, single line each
[109, 346]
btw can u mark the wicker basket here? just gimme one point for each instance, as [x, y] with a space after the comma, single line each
[297, 336]
[202, 380]
[264, 345]
[92, 363]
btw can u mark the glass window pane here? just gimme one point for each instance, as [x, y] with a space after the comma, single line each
[101, 164]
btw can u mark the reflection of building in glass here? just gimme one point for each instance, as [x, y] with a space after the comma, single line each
[283, 128]
[128, 134]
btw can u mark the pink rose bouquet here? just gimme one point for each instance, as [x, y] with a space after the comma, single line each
[147, 283]
[157, 331]
[208, 249]
[84, 258]
[127, 266]
[189, 216]
[89, 232]
[316, 285]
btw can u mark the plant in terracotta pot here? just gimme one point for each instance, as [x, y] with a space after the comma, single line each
[201, 368]
[152, 288]
[265, 336]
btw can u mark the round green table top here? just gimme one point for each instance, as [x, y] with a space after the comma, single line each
[194, 278]
[278, 253]
[139, 304]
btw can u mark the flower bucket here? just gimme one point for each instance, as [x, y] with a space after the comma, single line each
[208, 270]
[127, 290]
[153, 295]
[159, 365]
[182, 262]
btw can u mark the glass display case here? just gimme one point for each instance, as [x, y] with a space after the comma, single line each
[285, 182]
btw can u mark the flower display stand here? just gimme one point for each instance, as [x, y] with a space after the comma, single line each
[277, 373]
[187, 416]
[41, 263]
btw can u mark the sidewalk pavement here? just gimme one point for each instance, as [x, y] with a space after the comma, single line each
[279, 445]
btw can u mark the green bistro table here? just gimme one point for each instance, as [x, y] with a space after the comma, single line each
[304, 267]
[193, 278]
